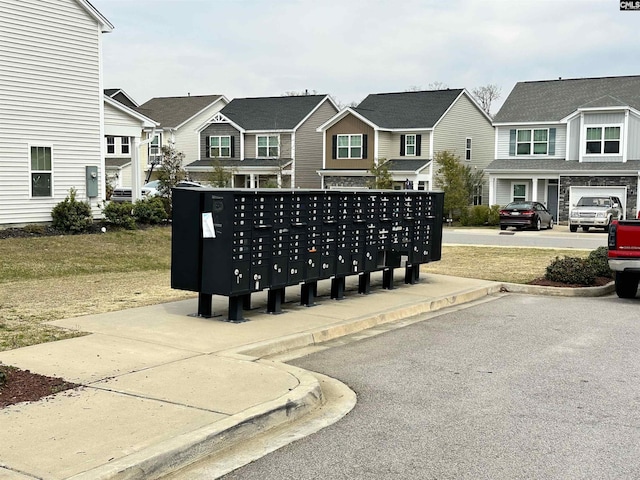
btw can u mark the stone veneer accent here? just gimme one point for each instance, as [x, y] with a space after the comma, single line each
[631, 182]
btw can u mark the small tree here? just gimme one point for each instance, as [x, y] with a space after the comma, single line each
[473, 178]
[170, 173]
[452, 178]
[220, 177]
[382, 179]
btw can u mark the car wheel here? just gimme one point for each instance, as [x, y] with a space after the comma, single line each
[626, 284]
[573, 228]
[538, 224]
[585, 229]
[503, 227]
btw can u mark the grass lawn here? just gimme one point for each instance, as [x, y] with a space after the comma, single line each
[49, 278]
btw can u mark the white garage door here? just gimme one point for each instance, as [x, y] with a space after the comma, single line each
[576, 192]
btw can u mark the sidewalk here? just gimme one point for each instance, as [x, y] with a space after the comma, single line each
[164, 388]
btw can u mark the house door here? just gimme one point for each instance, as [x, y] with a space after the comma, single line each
[552, 199]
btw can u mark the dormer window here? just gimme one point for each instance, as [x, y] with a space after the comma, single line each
[603, 140]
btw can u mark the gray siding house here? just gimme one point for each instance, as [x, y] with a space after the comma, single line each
[405, 130]
[51, 115]
[559, 140]
[265, 141]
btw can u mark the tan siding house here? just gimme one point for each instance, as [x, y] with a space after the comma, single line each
[403, 131]
[51, 120]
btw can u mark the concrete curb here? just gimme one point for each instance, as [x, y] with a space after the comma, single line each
[179, 452]
[281, 345]
[559, 291]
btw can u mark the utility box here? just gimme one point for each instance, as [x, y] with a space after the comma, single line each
[91, 181]
[237, 242]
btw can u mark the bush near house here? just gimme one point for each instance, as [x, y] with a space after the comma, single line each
[480, 215]
[71, 215]
[600, 262]
[149, 211]
[119, 215]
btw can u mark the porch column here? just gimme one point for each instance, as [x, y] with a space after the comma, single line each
[534, 187]
[252, 180]
[492, 190]
[279, 179]
[136, 173]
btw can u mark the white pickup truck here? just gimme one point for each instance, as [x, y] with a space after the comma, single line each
[595, 211]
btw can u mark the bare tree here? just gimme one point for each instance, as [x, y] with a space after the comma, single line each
[293, 93]
[432, 86]
[486, 95]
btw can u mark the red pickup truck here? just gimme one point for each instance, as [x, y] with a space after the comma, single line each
[624, 256]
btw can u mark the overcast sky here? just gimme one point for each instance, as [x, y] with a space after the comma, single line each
[350, 48]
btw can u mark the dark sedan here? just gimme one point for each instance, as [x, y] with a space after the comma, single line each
[525, 215]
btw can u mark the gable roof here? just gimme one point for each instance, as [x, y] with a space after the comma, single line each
[407, 109]
[132, 112]
[105, 25]
[172, 112]
[271, 113]
[553, 100]
[121, 96]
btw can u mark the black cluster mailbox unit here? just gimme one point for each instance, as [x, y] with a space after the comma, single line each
[236, 242]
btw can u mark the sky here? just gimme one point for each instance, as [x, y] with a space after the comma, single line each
[351, 48]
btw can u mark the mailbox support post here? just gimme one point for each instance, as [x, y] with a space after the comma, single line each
[364, 283]
[387, 278]
[275, 297]
[235, 309]
[205, 305]
[337, 288]
[308, 291]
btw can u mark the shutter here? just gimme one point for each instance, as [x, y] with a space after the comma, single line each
[233, 146]
[552, 141]
[364, 146]
[512, 142]
[207, 147]
[418, 145]
[334, 147]
[402, 142]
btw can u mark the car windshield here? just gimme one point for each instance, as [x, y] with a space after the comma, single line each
[519, 206]
[154, 184]
[594, 202]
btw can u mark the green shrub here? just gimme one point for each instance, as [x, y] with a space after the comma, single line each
[571, 270]
[119, 215]
[465, 217]
[479, 215]
[600, 263]
[35, 228]
[71, 215]
[494, 215]
[149, 211]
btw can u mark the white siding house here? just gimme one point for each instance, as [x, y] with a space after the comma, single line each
[51, 105]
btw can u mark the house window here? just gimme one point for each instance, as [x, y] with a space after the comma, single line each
[40, 171]
[410, 145]
[349, 146]
[467, 154]
[220, 147]
[111, 144]
[519, 191]
[477, 194]
[603, 140]
[155, 150]
[124, 145]
[268, 146]
[532, 141]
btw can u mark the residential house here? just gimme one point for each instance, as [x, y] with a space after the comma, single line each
[51, 119]
[125, 130]
[559, 140]
[180, 119]
[266, 141]
[405, 130]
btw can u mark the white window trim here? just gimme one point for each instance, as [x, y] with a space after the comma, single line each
[219, 147]
[31, 171]
[268, 147]
[406, 144]
[106, 139]
[583, 146]
[123, 144]
[159, 154]
[532, 142]
[349, 135]
[526, 190]
[468, 148]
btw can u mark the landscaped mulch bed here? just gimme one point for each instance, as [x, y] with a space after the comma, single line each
[18, 386]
